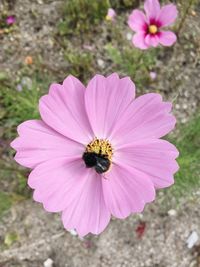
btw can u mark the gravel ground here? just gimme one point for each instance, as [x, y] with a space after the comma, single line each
[33, 35]
[162, 244]
[180, 77]
[178, 69]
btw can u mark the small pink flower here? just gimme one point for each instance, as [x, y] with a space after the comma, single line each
[19, 88]
[148, 27]
[153, 75]
[88, 47]
[10, 20]
[96, 151]
[111, 14]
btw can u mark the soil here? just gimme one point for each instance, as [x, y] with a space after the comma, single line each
[160, 242]
[178, 69]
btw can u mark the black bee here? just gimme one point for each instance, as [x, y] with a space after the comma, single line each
[97, 161]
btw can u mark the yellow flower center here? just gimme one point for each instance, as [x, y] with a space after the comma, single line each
[108, 18]
[101, 147]
[153, 29]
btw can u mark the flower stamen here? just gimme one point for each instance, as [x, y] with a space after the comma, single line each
[153, 29]
[100, 146]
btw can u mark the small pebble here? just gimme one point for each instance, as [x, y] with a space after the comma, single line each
[194, 104]
[140, 215]
[129, 36]
[184, 120]
[48, 263]
[172, 212]
[192, 239]
[185, 106]
[101, 63]
[73, 232]
[193, 13]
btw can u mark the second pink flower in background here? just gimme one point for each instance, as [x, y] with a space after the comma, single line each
[149, 26]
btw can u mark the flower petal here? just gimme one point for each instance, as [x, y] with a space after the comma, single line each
[139, 40]
[146, 117]
[154, 157]
[137, 21]
[70, 187]
[63, 109]
[105, 100]
[88, 212]
[53, 180]
[152, 40]
[167, 38]
[126, 190]
[152, 9]
[168, 15]
[37, 142]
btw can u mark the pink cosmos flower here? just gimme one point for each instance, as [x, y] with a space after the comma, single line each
[97, 151]
[111, 14]
[148, 27]
[10, 20]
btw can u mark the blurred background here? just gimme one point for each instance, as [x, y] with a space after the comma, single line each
[42, 41]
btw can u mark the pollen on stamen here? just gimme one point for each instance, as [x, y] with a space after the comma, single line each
[100, 147]
[153, 29]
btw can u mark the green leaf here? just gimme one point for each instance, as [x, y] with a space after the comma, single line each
[11, 238]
